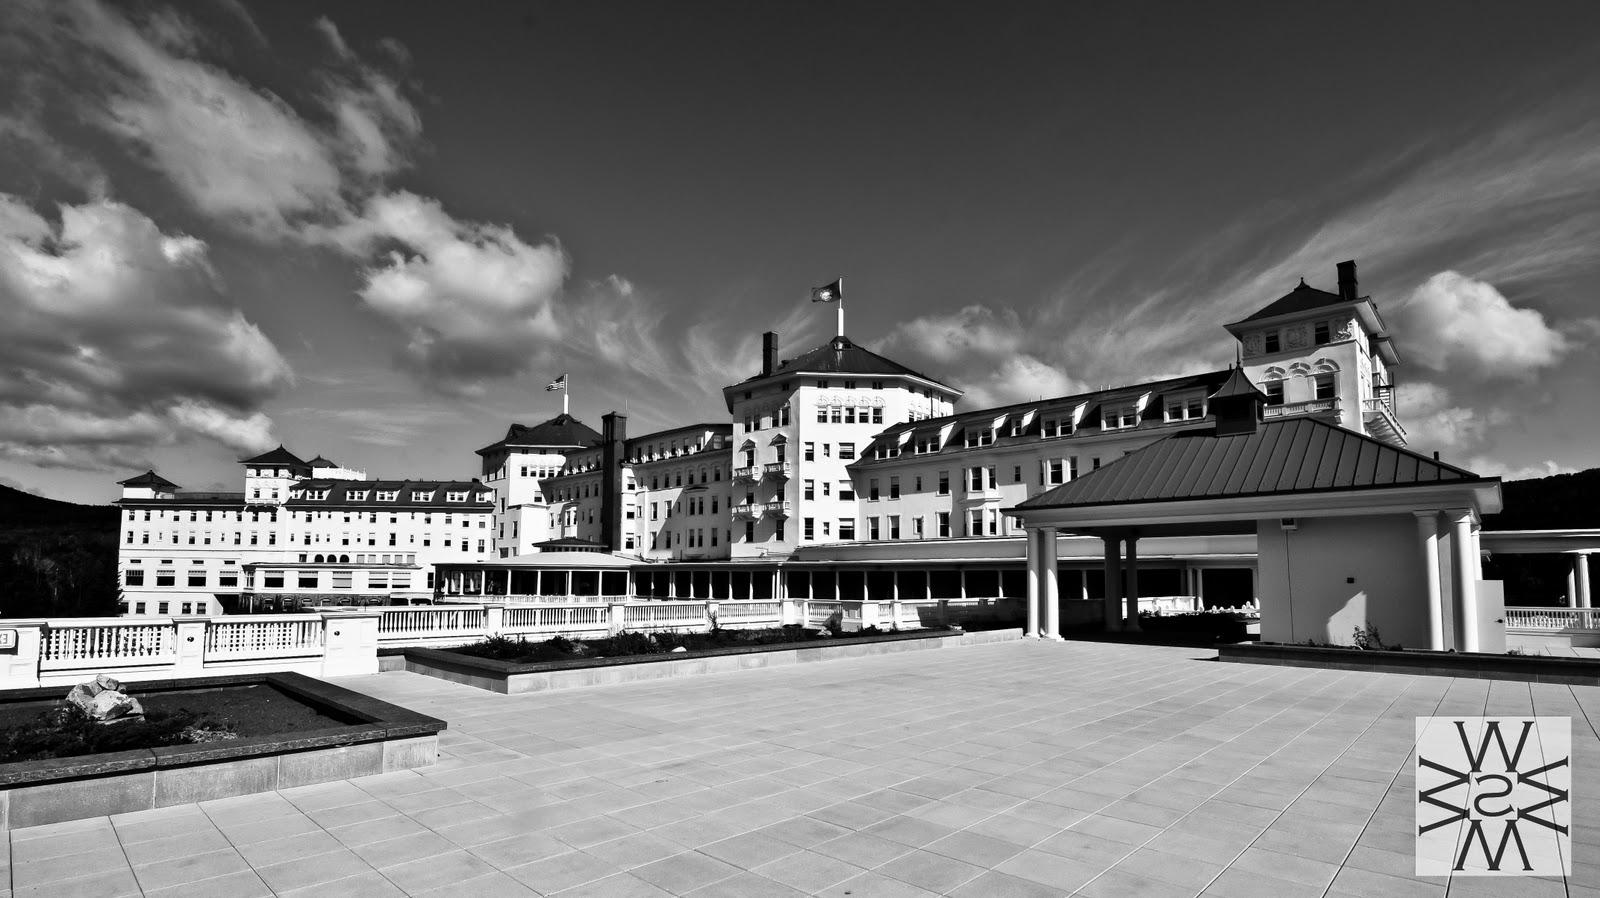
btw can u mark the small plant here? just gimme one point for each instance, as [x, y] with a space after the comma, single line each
[1515, 650]
[1368, 639]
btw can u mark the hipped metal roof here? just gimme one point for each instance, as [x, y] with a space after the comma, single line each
[1295, 455]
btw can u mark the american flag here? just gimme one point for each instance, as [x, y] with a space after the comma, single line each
[559, 383]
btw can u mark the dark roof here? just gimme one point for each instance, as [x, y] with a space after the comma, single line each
[1208, 380]
[1237, 384]
[278, 456]
[572, 544]
[1301, 299]
[320, 462]
[562, 431]
[230, 500]
[1291, 455]
[841, 356]
[148, 478]
[339, 494]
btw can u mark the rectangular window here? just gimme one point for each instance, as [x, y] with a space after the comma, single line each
[1274, 391]
[944, 483]
[272, 579]
[916, 526]
[162, 607]
[894, 487]
[307, 580]
[777, 532]
[810, 452]
[808, 528]
[228, 578]
[1321, 333]
[1272, 341]
[342, 579]
[166, 577]
[944, 523]
[847, 528]
[975, 526]
[197, 578]
[894, 526]
[1325, 386]
[877, 414]
[1055, 469]
[872, 529]
[1119, 417]
[133, 578]
[808, 489]
[872, 490]
[847, 450]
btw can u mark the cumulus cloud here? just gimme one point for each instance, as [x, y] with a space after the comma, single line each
[119, 336]
[472, 298]
[980, 350]
[1469, 328]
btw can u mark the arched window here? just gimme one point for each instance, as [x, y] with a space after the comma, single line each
[1272, 385]
[1299, 369]
[344, 559]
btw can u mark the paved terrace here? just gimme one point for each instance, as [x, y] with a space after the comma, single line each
[1015, 769]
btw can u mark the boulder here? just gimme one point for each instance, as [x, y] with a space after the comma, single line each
[680, 649]
[103, 700]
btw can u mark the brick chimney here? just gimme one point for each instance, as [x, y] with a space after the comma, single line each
[769, 353]
[614, 434]
[1347, 281]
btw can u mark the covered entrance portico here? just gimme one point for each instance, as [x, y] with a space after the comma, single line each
[1352, 534]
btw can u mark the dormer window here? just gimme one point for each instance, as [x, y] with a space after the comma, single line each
[1050, 428]
[455, 497]
[1186, 408]
[358, 496]
[388, 495]
[979, 437]
[1119, 417]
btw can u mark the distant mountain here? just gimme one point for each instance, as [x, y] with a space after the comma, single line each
[57, 559]
[1558, 502]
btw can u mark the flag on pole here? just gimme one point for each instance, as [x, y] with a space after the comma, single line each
[559, 383]
[833, 292]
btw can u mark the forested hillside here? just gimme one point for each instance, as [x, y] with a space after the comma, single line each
[57, 559]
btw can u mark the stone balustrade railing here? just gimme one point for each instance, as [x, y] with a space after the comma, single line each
[1552, 620]
[346, 643]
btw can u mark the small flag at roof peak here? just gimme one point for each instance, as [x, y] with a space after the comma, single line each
[559, 383]
[833, 292]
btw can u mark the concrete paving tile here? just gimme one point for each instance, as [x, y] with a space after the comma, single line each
[749, 850]
[103, 859]
[862, 849]
[244, 884]
[875, 885]
[930, 871]
[809, 871]
[974, 848]
[1285, 866]
[681, 873]
[744, 885]
[1125, 831]
[1382, 885]
[355, 834]
[152, 850]
[1118, 883]
[1000, 885]
[402, 850]
[191, 868]
[112, 884]
[1063, 874]
[425, 873]
[908, 830]
[370, 884]
[1234, 883]
[310, 871]
[564, 871]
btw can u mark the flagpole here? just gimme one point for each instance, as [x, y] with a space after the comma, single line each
[841, 306]
[566, 393]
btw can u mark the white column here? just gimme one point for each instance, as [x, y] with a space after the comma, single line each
[1133, 583]
[1465, 571]
[1580, 564]
[1050, 592]
[1034, 569]
[1428, 533]
[1572, 584]
[963, 574]
[895, 593]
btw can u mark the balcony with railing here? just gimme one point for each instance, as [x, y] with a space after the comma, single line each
[778, 508]
[1328, 407]
[748, 511]
[1378, 414]
[750, 474]
[779, 470]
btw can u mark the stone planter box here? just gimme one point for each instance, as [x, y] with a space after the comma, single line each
[387, 738]
[1525, 668]
[511, 678]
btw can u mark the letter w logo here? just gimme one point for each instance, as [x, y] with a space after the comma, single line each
[1491, 731]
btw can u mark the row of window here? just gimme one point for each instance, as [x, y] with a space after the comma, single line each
[849, 414]
[981, 522]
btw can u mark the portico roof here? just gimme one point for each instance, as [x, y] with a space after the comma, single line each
[1288, 456]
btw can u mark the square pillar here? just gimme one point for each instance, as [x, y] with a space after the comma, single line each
[1428, 536]
[1113, 596]
[1132, 623]
[1465, 573]
[1049, 589]
[1034, 569]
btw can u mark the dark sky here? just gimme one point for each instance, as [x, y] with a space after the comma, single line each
[1022, 198]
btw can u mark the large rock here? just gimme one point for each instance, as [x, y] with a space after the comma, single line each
[103, 700]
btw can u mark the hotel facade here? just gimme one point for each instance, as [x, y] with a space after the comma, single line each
[835, 466]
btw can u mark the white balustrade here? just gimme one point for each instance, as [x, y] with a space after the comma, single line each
[666, 615]
[253, 637]
[746, 614]
[555, 620]
[424, 622]
[101, 643]
[1552, 620]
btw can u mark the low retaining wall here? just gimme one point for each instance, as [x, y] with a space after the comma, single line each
[51, 791]
[509, 678]
[1475, 665]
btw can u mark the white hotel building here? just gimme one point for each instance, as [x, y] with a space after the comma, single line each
[836, 458]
